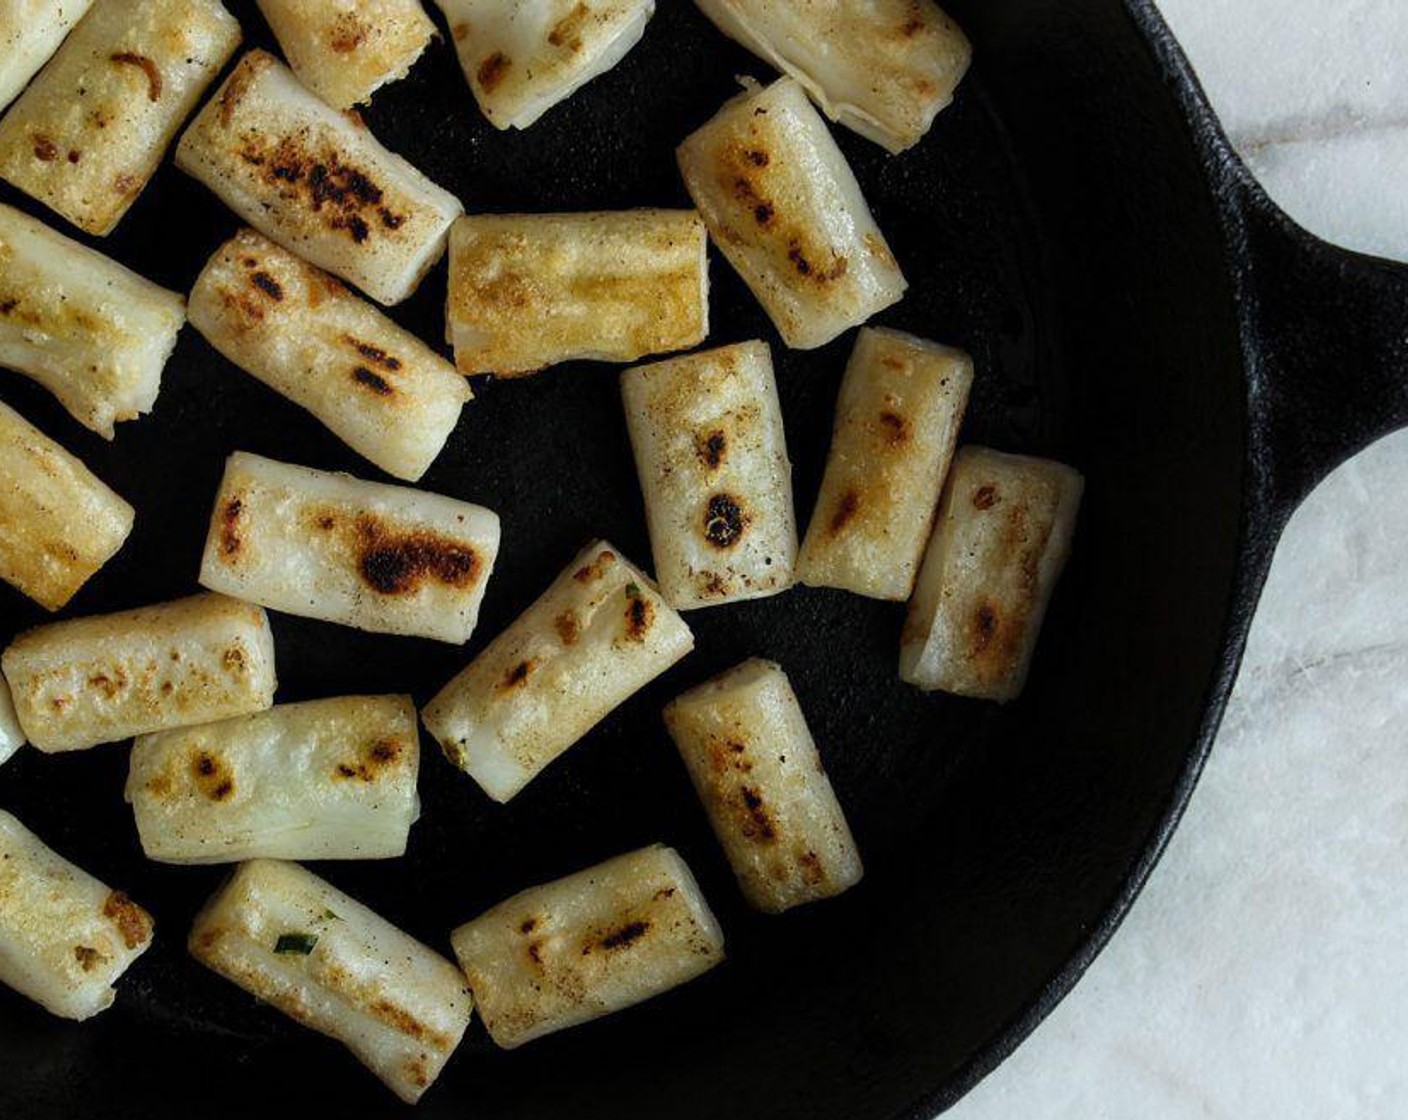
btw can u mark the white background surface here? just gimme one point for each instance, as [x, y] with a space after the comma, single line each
[1264, 972]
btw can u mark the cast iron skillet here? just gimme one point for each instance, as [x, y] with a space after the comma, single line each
[1135, 305]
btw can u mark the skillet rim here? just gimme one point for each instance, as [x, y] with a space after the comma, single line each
[1267, 504]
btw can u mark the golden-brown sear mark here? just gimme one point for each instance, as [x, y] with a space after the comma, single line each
[742, 170]
[380, 757]
[238, 85]
[230, 540]
[402, 1020]
[134, 924]
[994, 631]
[87, 957]
[621, 938]
[418, 1073]
[728, 754]
[212, 776]
[812, 870]
[372, 381]
[374, 354]
[493, 70]
[109, 686]
[846, 510]
[265, 288]
[567, 32]
[757, 823]
[746, 191]
[517, 676]
[713, 449]
[1027, 542]
[503, 291]
[640, 614]
[596, 569]
[994, 638]
[986, 620]
[347, 34]
[744, 188]
[894, 428]
[147, 66]
[342, 193]
[839, 268]
[724, 521]
[569, 629]
[985, 497]
[322, 286]
[268, 285]
[400, 563]
[384, 751]
[237, 301]
[395, 562]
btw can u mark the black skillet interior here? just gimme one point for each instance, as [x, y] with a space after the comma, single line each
[1057, 224]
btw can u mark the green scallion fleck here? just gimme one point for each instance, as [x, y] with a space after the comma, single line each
[633, 590]
[301, 943]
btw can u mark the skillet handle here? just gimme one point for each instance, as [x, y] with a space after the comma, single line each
[1328, 350]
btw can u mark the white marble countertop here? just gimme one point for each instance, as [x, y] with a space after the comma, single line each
[1264, 971]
